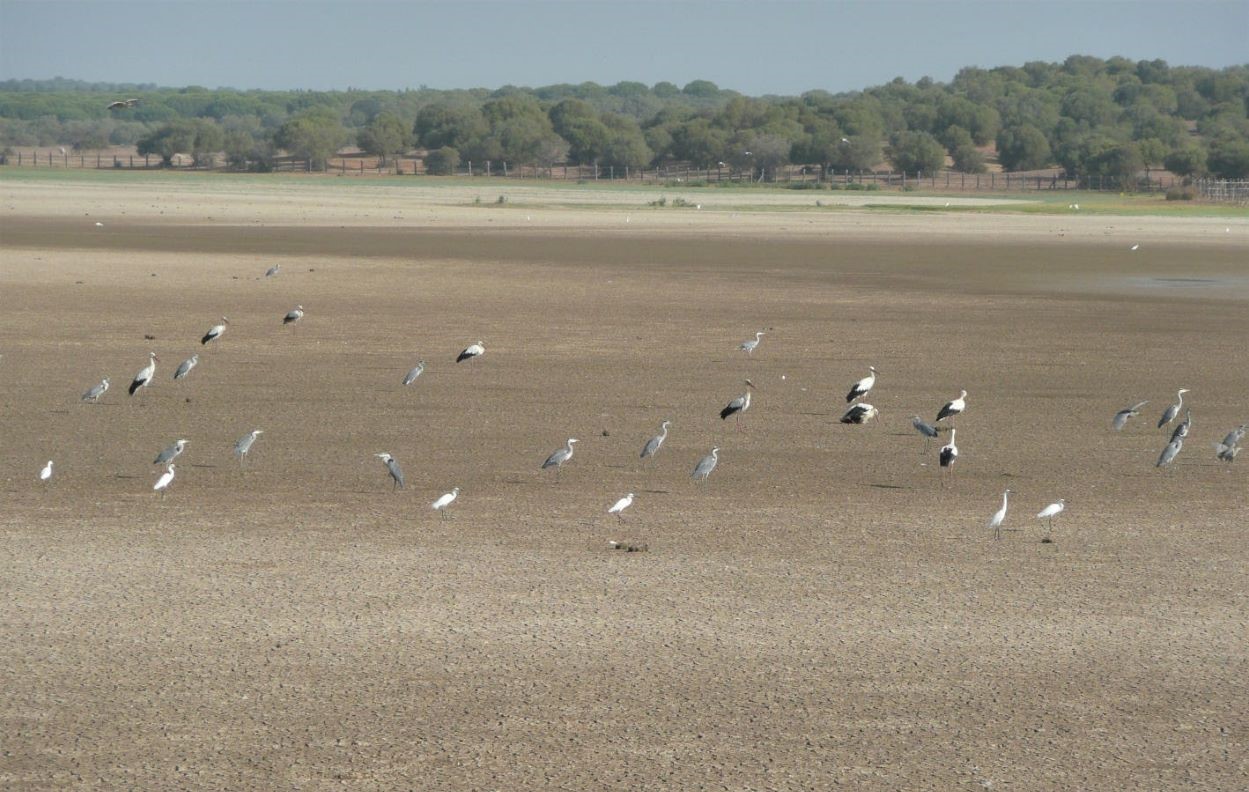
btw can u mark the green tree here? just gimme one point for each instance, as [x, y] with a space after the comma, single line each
[915, 152]
[168, 140]
[861, 153]
[385, 136]
[314, 135]
[820, 144]
[442, 161]
[454, 124]
[1229, 158]
[1188, 159]
[1118, 164]
[1023, 147]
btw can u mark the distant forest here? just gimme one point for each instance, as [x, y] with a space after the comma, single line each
[1087, 116]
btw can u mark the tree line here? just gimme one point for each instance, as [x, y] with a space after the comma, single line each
[1090, 117]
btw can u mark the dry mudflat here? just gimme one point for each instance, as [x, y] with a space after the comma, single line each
[821, 612]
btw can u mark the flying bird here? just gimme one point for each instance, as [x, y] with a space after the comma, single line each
[739, 405]
[1123, 415]
[393, 467]
[995, 522]
[446, 500]
[244, 444]
[1051, 511]
[619, 506]
[124, 104]
[953, 407]
[748, 346]
[859, 413]
[411, 376]
[558, 458]
[185, 367]
[170, 453]
[862, 387]
[705, 465]
[655, 443]
[293, 315]
[165, 480]
[46, 473]
[1168, 415]
[93, 395]
[215, 331]
[144, 377]
[471, 351]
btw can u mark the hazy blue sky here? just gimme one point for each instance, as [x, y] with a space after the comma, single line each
[753, 47]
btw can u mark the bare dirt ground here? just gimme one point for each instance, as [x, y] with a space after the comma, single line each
[820, 612]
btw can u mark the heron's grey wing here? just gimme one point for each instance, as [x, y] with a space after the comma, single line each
[1121, 419]
[553, 459]
[395, 471]
[651, 447]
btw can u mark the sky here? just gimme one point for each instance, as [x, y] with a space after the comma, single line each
[756, 47]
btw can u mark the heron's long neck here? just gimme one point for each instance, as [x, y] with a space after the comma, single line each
[1180, 397]
[1005, 495]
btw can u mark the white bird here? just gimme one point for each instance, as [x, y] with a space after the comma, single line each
[93, 395]
[748, 346]
[1168, 415]
[655, 443]
[46, 473]
[863, 386]
[619, 506]
[269, 273]
[185, 367]
[215, 331]
[948, 453]
[739, 405]
[393, 467]
[859, 413]
[705, 465]
[1134, 247]
[244, 444]
[446, 500]
[995, 522]
[411, 376]
[293, 315]
[1169, 453]
[558, 458]
[165, 480]
[144, 377]
[1123, 415]
[471, 351]
[170, 453]
[953, 407]
[1051, 511]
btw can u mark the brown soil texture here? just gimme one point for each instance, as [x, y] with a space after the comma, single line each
[821, 611]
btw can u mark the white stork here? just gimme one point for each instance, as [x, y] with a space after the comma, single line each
[863, 386]
[953, 407]
[144, 377]
[471, 351]
[215, 331]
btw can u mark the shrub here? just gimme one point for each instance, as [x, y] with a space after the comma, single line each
[443, 161]
[1181, 194]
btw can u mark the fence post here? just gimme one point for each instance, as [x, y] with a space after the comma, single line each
[97, 160]
[992, 181]
[487, 168]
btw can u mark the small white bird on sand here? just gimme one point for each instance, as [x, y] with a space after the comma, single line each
[165, 480]
[46, 473]
[446, 500]
[619, 506]
[1051, 511]
[995, 522]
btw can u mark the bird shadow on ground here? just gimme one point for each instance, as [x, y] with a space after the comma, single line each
[888, 486]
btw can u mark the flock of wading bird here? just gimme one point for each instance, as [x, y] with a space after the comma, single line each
[859, 412]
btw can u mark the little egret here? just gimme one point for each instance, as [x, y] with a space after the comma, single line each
[46, 473]
[165, 480]
[619, 506]
[1051, 511]
[446, 500]
[995, 522]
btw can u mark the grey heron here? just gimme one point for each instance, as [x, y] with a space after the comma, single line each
[170, 453]
[1123, 415]
[185, 367]
[1226, 453]
[293, 315]
[46, 473]
[859, 413]
[165, 480]
[269, 273]
[926, 429]
[655, 443]
[558, 458]
[144, 377]
[863, 386]
[1051, 511]
[948, 453]
[93, 395]
[393, 467]
[739, 405]
[215, 331]
[705, 465]
[1170, 452]
[748, 346]
[1234, 437]
[1183, 427]
[411, 376]
[995, 522]
[446, 500]
[1168, 415]
[619, 506]
[953, 407]
[471, 351]
[244, 444]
